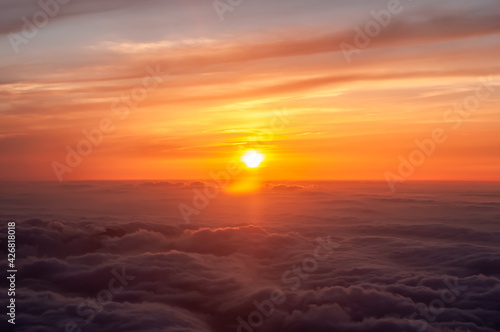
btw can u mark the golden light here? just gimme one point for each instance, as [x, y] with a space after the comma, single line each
[252, 158]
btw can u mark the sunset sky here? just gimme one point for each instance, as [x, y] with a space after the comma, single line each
[250, 165]
[270, 75]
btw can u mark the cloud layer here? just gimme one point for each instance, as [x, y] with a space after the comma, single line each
[391, 263]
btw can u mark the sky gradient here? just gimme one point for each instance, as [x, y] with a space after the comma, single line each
[271, 74]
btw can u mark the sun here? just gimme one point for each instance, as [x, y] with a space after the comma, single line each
[252, 158]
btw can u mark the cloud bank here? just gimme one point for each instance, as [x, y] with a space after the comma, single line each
[381, 271]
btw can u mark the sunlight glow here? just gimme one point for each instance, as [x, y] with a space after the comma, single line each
[252, 158]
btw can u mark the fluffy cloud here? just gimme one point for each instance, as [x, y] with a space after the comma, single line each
[383, 276]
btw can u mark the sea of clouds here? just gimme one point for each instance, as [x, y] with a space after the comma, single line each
[295, 257]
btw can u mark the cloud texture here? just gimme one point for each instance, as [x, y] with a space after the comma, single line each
[397, 263]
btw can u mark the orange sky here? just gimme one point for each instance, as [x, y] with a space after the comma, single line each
[270, 76]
